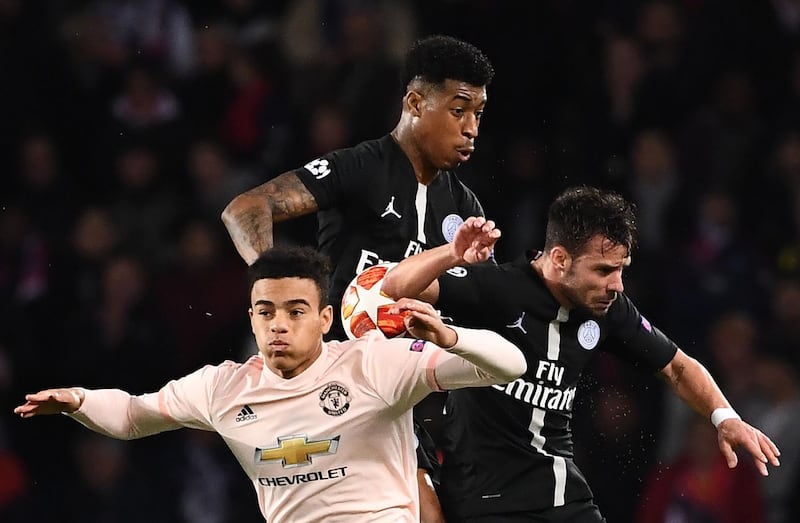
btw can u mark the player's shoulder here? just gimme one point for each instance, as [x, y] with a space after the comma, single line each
[229, 372]
[377, 343]
[337, 349]
[368, 159]
[382, 146]
[368, 150]
[622, 311]
[373, 343]
[509, 279]
[491, 267]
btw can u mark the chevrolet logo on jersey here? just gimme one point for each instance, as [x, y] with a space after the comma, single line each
[296, 450]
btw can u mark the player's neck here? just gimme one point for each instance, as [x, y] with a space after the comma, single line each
[424, 173]
[548, 273]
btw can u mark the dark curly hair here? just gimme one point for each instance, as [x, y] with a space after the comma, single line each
[293, 262]
[437, 58]
[580, 213]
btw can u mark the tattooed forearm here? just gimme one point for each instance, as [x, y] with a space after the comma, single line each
[254, 228]
[249, 217]
[288, 197]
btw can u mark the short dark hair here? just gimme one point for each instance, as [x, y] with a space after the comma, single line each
[580, 213]
[437, 58]
[293, 262]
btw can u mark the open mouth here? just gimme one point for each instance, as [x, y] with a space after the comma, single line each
[464, 154]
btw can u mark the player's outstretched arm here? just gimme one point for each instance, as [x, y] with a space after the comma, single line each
[111, 412]
[416, 275]
[249, 217]
[694, 384]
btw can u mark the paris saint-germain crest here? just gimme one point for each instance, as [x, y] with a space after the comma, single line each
[589, 334]
[450, 225]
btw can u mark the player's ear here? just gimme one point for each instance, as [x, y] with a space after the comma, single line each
[560, 258]
[413, 102]
[326, 317]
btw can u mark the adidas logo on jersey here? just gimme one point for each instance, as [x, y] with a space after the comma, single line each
[246, 414]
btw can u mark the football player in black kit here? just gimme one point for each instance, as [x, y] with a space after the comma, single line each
[389, 198]
[508, 449]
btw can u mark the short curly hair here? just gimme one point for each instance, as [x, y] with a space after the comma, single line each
[437, 58]
[580, 213]
[293, 262]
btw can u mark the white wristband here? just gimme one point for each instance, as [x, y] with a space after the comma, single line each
[721, 414]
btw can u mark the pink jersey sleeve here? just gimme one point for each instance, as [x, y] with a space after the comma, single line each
[404, 370]
[185, 402]
[401, 369]
[117, 414]
[188, 400]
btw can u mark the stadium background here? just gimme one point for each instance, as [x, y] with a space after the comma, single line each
[126, 127]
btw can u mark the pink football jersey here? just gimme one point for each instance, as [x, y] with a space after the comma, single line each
[333, 444]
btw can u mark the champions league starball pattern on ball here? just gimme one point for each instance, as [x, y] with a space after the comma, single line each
[365, 307]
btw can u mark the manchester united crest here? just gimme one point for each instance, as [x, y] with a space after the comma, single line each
[334, 399]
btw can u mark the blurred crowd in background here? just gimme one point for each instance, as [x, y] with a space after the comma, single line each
[126, 126]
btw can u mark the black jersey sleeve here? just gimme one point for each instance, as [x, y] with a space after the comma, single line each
[336, 177]
[635, 339]
[462, 294]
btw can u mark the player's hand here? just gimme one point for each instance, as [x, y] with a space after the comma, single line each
[733, 433]
[475, 238]
[423, 322]
[50, 401]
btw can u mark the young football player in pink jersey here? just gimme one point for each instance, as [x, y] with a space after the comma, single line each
[322, 429]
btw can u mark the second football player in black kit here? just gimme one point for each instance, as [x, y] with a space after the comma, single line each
[388, 198]
[508, 453]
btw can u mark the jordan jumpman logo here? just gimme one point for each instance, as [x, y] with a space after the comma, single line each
[390, 209]
[518, 324]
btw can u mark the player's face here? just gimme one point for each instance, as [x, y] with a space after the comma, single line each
[288, 323]
[593, 279]
[448, 123]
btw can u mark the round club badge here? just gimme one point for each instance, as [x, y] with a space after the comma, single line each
[589, 334]
[450, 225]
[334, 399]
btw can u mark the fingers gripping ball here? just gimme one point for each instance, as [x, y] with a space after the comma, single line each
[365, 307]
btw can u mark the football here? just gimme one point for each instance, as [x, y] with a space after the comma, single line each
[365, 307]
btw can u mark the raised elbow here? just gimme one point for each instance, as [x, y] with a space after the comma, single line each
[228, 215]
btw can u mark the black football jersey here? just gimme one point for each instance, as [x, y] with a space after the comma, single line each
[372, 209]
[508, 448]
